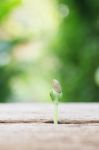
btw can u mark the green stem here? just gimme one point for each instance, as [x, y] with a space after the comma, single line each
[55, 112]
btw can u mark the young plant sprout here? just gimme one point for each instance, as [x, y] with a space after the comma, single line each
[56, 94]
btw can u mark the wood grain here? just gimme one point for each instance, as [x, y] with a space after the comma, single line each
[30, 127]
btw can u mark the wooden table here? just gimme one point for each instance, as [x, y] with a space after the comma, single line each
[30, 127]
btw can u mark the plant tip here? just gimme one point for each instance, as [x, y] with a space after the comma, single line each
[56, 86]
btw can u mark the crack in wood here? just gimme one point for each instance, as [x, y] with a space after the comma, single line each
[74, 122]
[51, 121]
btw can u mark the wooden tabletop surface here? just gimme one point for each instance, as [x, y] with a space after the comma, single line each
[30, 127]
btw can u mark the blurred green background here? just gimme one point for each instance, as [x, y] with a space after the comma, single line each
[42, 40]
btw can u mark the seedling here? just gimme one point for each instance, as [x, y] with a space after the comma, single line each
[56, 94]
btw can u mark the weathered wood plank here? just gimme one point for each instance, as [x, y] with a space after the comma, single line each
[68, 113]
[48, 137]
[28, 127]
